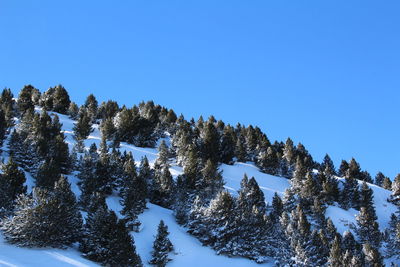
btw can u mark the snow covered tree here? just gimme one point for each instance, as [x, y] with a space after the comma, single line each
[372, 256]
[161, 246]
[106, 240]
[349, 196]
[227, 146]
[335, 254]
[83, 127]
[367, 200]
[37, 218]
[133, 193]
[11, 184]
[163, 188]
[25, 102]
[212, 181]
[367, 228]
[395, 197]
[327, 166]
[91, 106]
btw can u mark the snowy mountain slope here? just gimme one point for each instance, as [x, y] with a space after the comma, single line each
[188, 250]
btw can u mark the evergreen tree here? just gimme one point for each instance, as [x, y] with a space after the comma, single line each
[379, 178]
[335, 254]
[61, 100]
[349, 197]
[107, 241]
[161, 246]
[327, 166]
[7, 104]
[212, 179]
[211, 142]
[133, 193]
[13, 178]
[269, 161]
[163, 188]
[73, 110]
[83, 127]
[372, 256]
[277, 208]
[367, 228]
[48, 173]
[344, 166]
[367, 200]
[387, 183]
[37, 218]
[227, 147]
[91, 106]
[395, 197]
[25, 102]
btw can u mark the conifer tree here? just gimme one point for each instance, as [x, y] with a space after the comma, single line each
[61, 100]
[73, 110]
[48, 173]
[395, 197]
[25, 102]
[327, 166]
[372, 256]
[7, 104]
[227, 147]
[211, 141]
[161, 246]
[335, 254]
[37, 218]
[133, 193]
[367, 200]
[163, 188]
[83, 127]
[344, 166]
[91, 105]
[107, 241]
[277, 208]
[367, 228]
[13, 179]
[212, 179]
[349, 197]
[387, 183]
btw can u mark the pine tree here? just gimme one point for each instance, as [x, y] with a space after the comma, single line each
[227, 147]
[335, 254]
[220, 221]
[367, 228]
[367, 200]
[133, 193]
[212, 179]
[211, 141]
[37, 218]
[344, 166]
[395, 197]
[91, 105]
[349, 197]
[61, 100]
[48, 173]
[327, 166]
[25, 102]
[83, 127]
[13, 179]
[379, 179]
[277, 208]
[107, 241]
[163, 188]
[161, 246]
[372, 256]
[73, 110]
[387, 183]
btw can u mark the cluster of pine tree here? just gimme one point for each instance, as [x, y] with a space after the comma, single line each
[293, 230]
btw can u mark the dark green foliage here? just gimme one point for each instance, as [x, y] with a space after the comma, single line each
[56, 99]
[133, 193]
[161, 246]
[372, 256]
[210, 142]
[107, 241]
[91, 105]
[227, 147]
[47, 174]
[387, 183]
[367, 228]
[344, 166]
[327, 166]
[212, 181]
[73, 110]
[83, 127]
[11, 185]
[269, 161]
[7, 104]
[367, 200]
[25, 99]
[349, 197]
[335, 254]
[162, 188]
[37, 218]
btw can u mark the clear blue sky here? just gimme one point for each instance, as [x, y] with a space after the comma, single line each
[326, 73]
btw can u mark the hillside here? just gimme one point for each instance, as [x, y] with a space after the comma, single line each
[228, 196]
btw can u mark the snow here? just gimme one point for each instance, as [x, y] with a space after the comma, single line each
[188, 250]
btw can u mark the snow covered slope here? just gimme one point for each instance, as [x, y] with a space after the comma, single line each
[188, 250]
